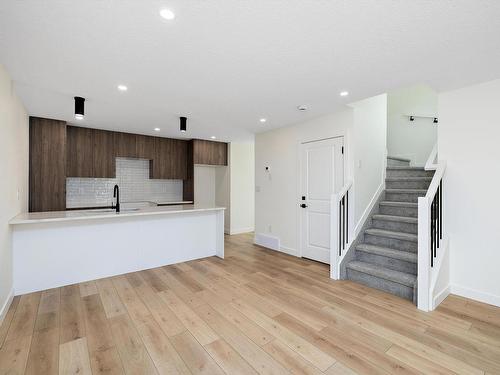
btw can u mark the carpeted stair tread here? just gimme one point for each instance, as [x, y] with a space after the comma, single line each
[398, 158]
[407, 191]
[397, 235]
[387, 252]
[399, 219]
[403, 278]
[404, 168]
[399, 204]
[409, 178]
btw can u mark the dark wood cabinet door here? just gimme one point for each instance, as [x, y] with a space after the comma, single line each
[170, 159]
[47, 165]
[103, 164]
[209, 152]
[125, 145]
[79, 152]
[145, 147]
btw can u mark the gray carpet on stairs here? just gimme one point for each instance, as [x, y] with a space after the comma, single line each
[386, 256]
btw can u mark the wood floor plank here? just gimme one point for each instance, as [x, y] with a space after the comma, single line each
[251, 352]
[198, 328]
[24, 318]
[227, 358]
[133, 353]
[163, 315]
[160, 349]
[256, 311]
[88, 288]
[104, 357]
[5, 325]
[194, 355]
[74, 358]
[290, 359]
[14, 355]
[111, 302]
[308, 351]
[72, 324]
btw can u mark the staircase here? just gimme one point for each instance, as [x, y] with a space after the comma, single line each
[386, 252]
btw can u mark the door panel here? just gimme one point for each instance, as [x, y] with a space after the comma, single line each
[322, 173]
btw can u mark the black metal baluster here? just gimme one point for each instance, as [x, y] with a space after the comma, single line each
[437, 218]
[435, 226]
[343, 222]
[347, 217]
[340, 228]
[441, 209]
[432, 233]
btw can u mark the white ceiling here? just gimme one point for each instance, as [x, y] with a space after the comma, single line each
[226, 63]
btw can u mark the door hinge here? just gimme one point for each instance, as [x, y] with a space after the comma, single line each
[342, 150]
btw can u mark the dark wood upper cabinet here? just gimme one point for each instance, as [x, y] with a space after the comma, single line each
[145, 147]
[80, 152]
[209, 152]
[47, 165]
[170, 161]
[125, 145]
[103, 164]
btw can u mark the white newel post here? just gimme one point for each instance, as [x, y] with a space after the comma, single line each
[423, 278]
[334, 238]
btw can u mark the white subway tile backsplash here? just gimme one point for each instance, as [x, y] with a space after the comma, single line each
[132, 175]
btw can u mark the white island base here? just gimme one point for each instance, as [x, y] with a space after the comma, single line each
[58, 251]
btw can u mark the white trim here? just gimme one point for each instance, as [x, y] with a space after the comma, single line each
[241, 230]
[6, 305]
[290, 251]
[431, 163]
[475, 295]
[441, 296]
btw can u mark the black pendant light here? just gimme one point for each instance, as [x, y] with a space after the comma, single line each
[183, 124]
[79, 107]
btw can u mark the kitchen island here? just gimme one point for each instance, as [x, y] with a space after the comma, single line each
[53, 249]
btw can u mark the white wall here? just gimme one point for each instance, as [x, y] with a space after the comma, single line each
[368, 151]
[14, 138]
[242, 162]
[204, 185]
[223, 193]
[413, 140]
[277, 193]
[468, 140]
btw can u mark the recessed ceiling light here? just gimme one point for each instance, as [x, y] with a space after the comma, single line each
[157, 129]
[78, 117]
[79, 107]
[122, 88]
[344, 93]
[302, 108]
[263, 120]
[167, 14]
[213, 137]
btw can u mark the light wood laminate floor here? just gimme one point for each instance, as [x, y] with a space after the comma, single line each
[257, 311]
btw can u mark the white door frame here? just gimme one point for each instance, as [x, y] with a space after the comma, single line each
[299, 180]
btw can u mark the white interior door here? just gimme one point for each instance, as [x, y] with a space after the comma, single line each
[322, 174]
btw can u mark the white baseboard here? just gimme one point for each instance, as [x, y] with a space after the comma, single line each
[475, 295]
[241, 230]
[289, 251]
[368, 209]
[6, 305]
[441, 296]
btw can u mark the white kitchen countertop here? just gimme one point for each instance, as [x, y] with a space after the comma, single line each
[74, 215]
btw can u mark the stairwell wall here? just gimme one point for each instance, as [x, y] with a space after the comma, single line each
[277, 196]
[468, 139]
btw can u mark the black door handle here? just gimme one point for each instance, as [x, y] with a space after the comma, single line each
[303, 205]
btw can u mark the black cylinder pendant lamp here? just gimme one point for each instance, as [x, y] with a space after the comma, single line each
[79, 107]
[183, 124]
